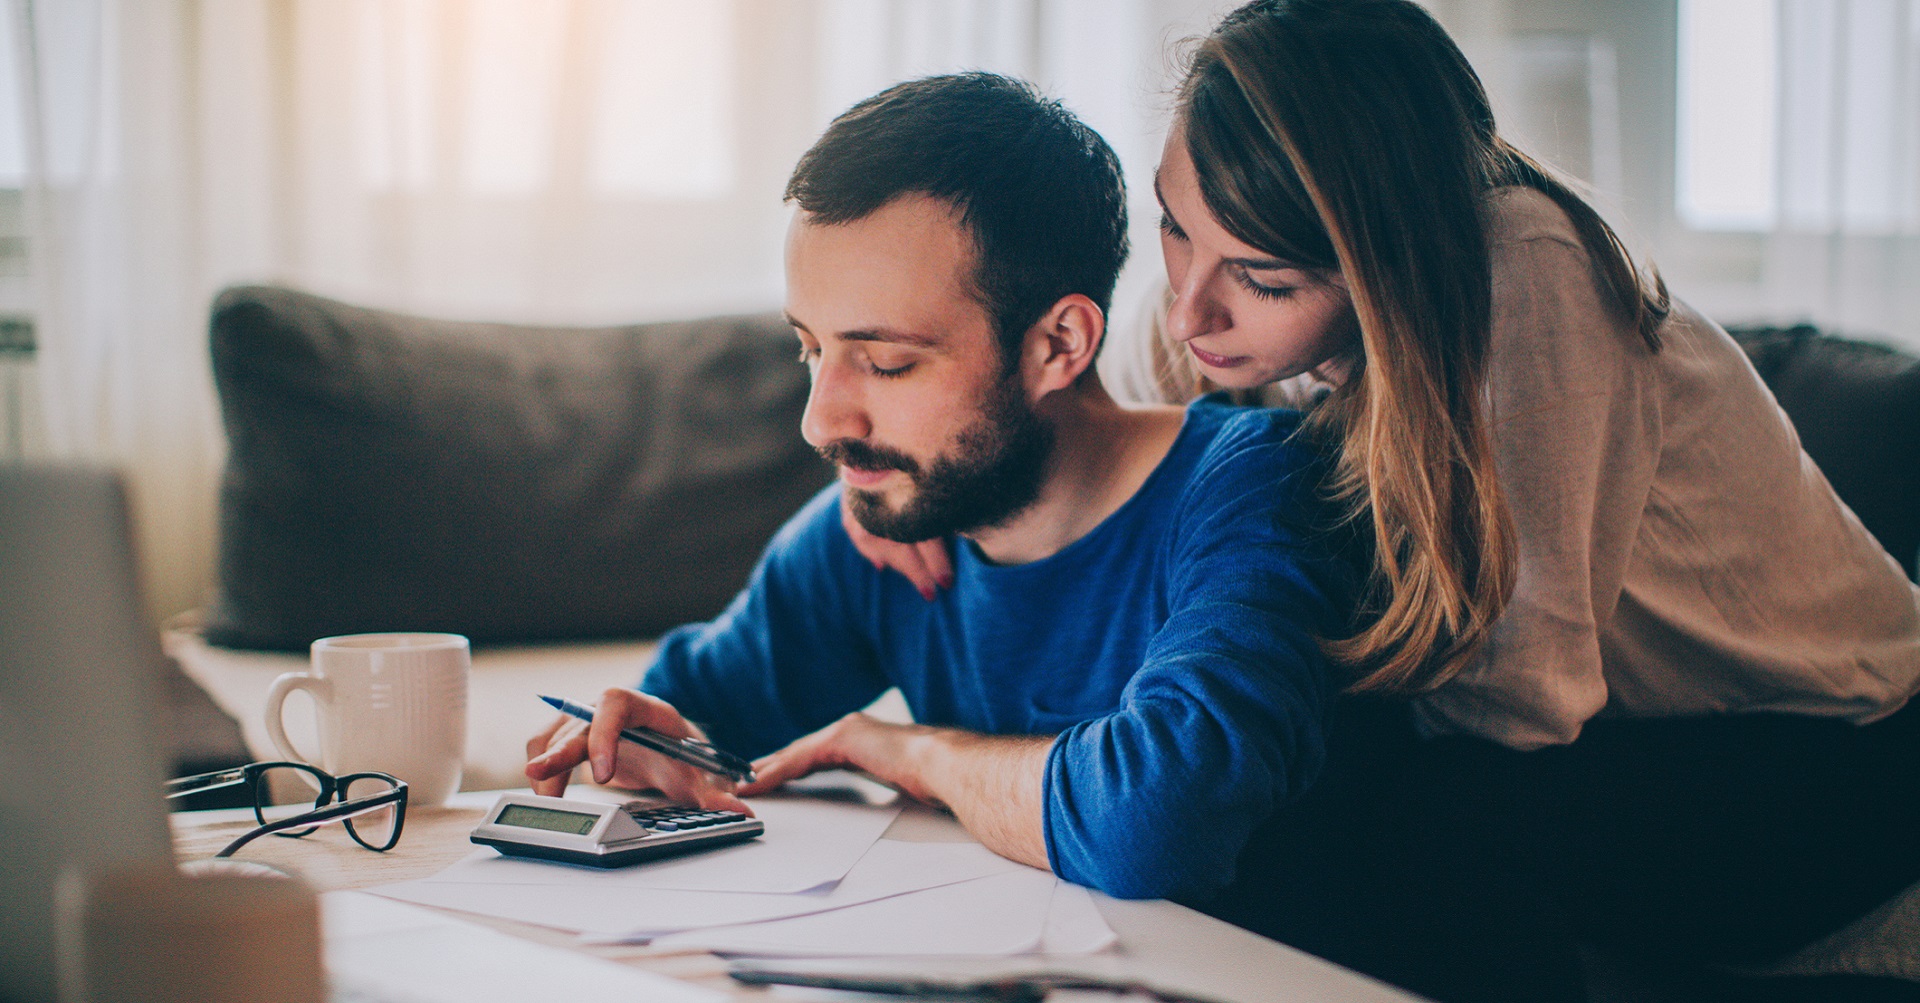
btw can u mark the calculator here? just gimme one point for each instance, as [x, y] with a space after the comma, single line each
[607, 835]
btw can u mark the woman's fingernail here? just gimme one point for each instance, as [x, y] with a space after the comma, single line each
[926, 592]
[602, 770]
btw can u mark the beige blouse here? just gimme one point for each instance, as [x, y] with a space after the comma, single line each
[1679, 553]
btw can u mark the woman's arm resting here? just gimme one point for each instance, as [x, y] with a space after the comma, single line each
[991, 783]
[925, 564]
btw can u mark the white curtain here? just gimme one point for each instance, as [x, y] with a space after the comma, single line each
[539, 160]
[115, 258]
[1845, 246]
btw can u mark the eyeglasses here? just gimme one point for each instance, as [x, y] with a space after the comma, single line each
[372, 806]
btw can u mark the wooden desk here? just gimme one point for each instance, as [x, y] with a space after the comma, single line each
[1162, 942]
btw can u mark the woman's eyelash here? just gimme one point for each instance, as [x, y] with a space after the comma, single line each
[1172, 229]
[1263, 291]
[807, 354]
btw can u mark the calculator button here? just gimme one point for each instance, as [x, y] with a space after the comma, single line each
[678, 818]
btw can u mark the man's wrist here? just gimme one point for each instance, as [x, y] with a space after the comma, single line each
[928, 758]
[991, 782]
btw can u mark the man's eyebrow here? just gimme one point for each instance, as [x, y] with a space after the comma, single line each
[889, 335]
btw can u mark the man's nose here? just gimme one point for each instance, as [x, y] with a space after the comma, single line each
[835, 409]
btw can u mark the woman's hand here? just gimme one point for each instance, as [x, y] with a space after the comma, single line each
[925, 564]
[569, 741]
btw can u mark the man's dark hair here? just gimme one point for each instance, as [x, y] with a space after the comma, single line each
[1041, 193]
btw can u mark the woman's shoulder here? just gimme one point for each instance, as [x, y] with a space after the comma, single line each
[1548, 294]
[1516, 214]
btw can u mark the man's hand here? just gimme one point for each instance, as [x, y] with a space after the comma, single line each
[857, 741]
[569, 741]
[991, 783]
[925, 564]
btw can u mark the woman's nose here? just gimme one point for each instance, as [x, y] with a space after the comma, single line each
[1194, 310]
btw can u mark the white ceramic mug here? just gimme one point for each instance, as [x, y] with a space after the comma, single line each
[396, 703]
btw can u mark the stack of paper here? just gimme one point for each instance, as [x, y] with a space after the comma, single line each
[1023, 911]
[820, 881]
[386, 951]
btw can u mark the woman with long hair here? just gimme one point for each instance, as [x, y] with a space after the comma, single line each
[1630, 673]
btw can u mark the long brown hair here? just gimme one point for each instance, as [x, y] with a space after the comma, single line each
[1353, 135]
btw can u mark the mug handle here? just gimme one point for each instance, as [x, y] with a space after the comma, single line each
[318, 688]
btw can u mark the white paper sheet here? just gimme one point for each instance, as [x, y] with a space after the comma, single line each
[843, 785]
[619, 912]
[399, 954]
[1074, 924]
[808, 844]
[1001, 914]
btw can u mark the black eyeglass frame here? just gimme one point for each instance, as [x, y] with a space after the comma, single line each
[324, 810]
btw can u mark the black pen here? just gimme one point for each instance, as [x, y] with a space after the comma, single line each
[1029, 988]
[691, 751]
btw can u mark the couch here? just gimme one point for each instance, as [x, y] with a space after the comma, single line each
[562, 495]
[558, 495]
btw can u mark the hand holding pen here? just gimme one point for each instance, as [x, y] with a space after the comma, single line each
[691, 751]
[671, 756]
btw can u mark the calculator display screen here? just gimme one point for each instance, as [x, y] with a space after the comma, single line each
[528, 817]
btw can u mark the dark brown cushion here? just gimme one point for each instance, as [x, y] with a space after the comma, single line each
[1856, 406]
[509, 483]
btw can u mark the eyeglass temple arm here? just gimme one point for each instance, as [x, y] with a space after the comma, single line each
[320, 816]
[182, 786]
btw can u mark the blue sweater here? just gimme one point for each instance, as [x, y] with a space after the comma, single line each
[1171, 650]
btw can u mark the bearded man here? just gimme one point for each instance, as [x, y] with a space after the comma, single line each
[1124, 682]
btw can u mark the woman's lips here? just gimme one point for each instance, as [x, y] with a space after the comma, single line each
[855, 477]
[1217, 361]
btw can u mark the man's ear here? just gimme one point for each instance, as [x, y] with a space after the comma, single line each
[1061, 345]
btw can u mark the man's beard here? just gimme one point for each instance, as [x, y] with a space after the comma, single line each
[993, 474]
